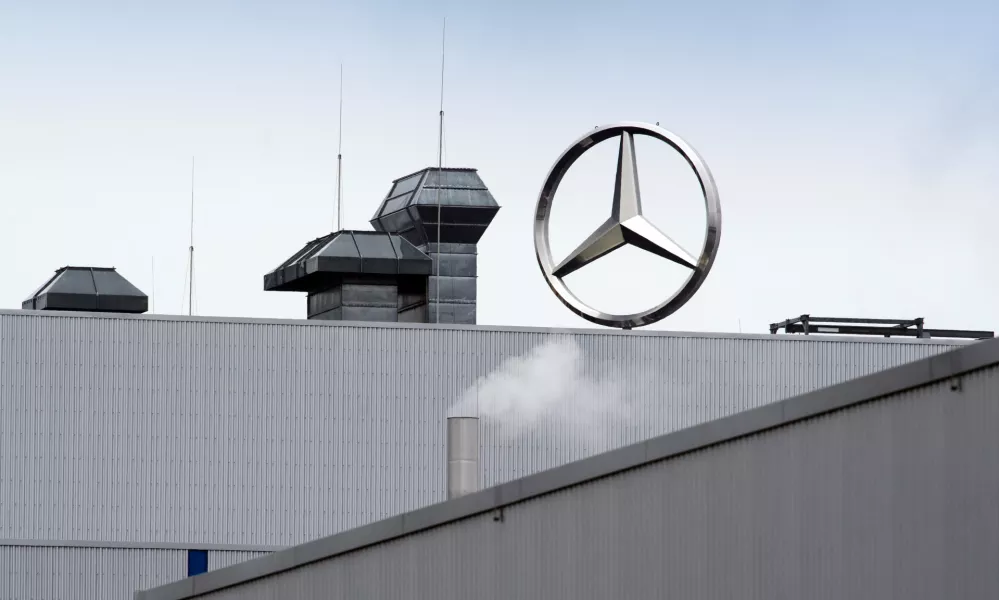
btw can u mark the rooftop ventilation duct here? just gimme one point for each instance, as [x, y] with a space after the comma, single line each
[358, 276]
[88, 289]
[466, 208]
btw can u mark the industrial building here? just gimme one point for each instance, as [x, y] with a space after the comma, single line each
[141, 449]
[131, 440]
[885, 486]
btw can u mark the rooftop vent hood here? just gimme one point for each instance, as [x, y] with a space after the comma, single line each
[88, 289]
[358, 276]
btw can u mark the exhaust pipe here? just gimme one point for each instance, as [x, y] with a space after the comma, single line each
[462, 456]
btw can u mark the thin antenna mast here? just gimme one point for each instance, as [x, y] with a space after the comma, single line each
[440, 165]
[190, 260]
[339, 160]
[152, 284]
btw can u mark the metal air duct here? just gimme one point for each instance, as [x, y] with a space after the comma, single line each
[462, 456]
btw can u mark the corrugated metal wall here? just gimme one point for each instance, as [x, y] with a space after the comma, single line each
[152, 430]
[82, 573]
[58, 573]
[891, 499]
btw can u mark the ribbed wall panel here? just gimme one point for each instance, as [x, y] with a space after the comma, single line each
[54, 573]
[256, 433]
[218, 559]
[892, 499]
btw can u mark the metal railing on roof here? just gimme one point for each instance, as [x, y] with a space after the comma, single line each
[807, 324]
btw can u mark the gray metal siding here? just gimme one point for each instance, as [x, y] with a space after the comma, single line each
[58, 573]
[253, 433]
[891, 499]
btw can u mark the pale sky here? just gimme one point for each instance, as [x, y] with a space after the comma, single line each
[854, 145]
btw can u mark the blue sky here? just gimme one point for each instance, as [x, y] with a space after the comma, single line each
[854, 144]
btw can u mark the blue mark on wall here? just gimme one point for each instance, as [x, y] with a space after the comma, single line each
[197, 562]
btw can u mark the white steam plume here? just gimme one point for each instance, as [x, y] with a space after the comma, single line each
[548, 391]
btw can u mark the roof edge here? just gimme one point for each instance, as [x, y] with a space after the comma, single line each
[80, 268]
[424, 169]
[602, 331]
[889, 382]
[137, 545]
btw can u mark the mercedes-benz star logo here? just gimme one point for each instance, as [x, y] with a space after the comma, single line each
[626, 225]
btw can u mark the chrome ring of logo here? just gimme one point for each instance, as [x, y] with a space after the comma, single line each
[626, 225]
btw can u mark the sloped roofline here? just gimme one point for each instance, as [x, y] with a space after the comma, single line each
[892, 381]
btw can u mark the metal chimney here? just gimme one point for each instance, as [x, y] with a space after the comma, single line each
[462, 456]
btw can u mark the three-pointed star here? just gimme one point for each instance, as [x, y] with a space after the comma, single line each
[626, 224]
